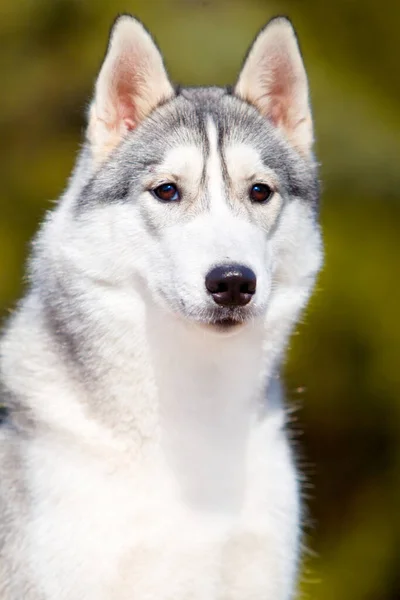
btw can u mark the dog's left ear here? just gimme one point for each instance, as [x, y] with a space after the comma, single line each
[274, 80]
[131, 83]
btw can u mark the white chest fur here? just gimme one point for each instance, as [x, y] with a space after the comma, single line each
[126, 529]
[201, 503]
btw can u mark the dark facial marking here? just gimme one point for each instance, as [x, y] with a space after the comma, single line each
[4, 412]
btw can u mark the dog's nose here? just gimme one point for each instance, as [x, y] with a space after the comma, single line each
[231, 285]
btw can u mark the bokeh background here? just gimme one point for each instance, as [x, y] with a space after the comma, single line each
[343, 372]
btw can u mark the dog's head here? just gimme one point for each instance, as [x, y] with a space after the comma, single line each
[203, 199]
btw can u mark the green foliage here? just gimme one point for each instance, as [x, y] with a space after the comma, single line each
[346, 359]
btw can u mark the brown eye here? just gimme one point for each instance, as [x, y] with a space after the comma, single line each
[260, 192]
[167, 192]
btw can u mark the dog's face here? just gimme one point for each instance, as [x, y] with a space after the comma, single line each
[204, 198]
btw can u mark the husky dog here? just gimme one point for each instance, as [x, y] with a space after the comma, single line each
[143, 451]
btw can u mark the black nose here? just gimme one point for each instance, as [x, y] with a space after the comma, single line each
[231, 285]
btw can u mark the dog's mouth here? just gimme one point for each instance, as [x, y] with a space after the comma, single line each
[227, 324]
[226, 320]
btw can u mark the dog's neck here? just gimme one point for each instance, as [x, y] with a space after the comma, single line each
[186, 392]
[136, 367]
[148, 367]
[209, 386]
[180, 391]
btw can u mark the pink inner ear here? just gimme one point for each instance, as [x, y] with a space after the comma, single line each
[281, 85]
[279, 109]
[130, 124]
[125, 93]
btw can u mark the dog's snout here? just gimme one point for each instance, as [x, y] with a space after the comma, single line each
[231, 285]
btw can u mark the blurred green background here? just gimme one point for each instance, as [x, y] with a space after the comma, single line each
[343, 370]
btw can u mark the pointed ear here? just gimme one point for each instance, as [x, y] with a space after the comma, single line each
[274, 80]
[131, 83]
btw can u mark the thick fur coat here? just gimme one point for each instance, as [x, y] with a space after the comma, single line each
[143, 450]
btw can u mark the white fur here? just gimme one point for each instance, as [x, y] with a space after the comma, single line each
[162, 470]
[189, 494]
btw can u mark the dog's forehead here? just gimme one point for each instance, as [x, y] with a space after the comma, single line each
[246, 141]
[233, 120]
[227, 158]
[204, 120]
[177, 135]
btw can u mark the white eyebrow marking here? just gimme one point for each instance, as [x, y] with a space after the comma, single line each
[244, 162]
[215, 180]
[185, 159]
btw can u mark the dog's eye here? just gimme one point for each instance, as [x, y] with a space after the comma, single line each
[260, 192]
[167, 192]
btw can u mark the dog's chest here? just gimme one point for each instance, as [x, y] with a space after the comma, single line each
[107, 530]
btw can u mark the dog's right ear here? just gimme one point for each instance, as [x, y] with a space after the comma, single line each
[131, 83]
[274, 80]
